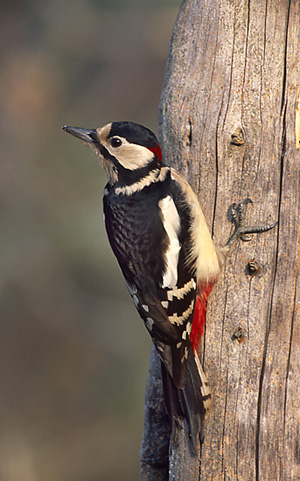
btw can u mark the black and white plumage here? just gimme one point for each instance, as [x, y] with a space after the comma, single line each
[159, 236]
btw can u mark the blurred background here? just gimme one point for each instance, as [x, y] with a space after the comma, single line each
[73, 352]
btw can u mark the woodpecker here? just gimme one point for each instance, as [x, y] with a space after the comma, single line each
[159, 235]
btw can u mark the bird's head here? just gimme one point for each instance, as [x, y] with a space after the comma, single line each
[127, 151]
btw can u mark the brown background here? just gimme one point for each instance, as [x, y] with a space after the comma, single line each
[73, 354]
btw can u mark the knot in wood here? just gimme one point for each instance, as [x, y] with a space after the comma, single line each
[238, 335]
[237, 137]
[253, 267]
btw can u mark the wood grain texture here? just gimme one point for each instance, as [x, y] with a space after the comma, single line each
[227, 123]
[156, 439]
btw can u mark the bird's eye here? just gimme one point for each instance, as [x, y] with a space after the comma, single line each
[115, 142]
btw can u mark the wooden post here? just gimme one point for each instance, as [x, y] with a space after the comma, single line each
[229, 122]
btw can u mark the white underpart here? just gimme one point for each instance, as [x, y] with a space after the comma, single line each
[203, 254]
[171, 223]
[179, 320]
[180, 292]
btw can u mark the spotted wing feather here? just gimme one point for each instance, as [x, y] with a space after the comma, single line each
[154, 263]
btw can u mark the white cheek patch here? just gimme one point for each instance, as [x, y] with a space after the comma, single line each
[131, 156]
[171, 223]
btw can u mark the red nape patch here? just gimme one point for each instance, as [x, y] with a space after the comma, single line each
[156, 151]
[200, 313]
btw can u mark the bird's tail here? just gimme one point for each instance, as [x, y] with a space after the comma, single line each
[190, 402]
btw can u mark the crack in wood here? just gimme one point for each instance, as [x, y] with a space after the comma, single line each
[283, 99]
[292, 328]
[190, 133]
[217, 169]
[297, 123]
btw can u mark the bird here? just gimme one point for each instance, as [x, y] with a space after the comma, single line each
[158, 233]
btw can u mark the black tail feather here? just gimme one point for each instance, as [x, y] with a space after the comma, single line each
[189, 403]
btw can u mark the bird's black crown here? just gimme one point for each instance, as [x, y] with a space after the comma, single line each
[134, 133]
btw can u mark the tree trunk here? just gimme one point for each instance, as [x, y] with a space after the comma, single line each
[230, 123]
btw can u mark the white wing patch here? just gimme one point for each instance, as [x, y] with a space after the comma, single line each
[180, 320]
[171, 223]
[180, 292]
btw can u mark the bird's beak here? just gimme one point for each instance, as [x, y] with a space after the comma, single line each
[87, 135]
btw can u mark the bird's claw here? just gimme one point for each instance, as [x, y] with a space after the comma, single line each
[238, 215]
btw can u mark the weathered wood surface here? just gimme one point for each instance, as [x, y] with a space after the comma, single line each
[227, 120]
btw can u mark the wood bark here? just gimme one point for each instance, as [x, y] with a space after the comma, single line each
[229, 122]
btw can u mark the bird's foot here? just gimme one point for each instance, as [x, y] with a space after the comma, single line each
[241, 231]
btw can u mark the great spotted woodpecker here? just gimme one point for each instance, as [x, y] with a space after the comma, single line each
[159, 236]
